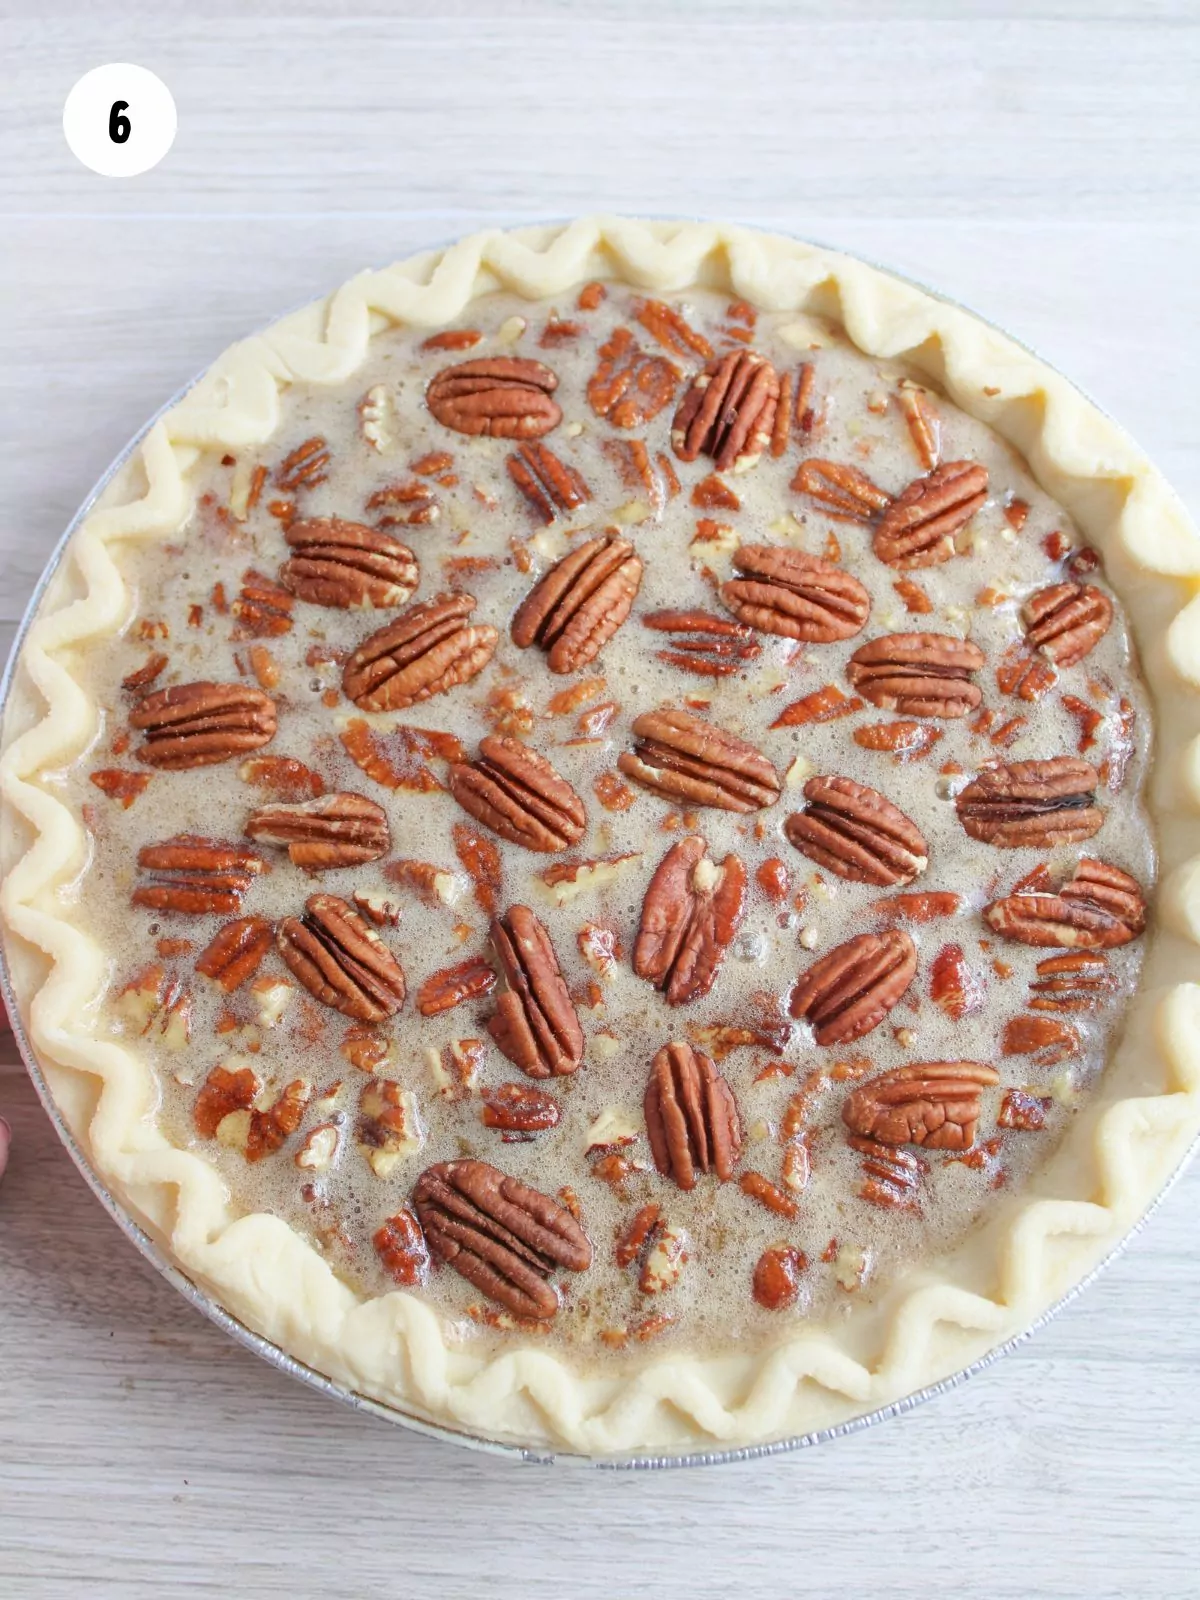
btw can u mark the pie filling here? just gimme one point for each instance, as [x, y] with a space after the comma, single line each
[623, 820]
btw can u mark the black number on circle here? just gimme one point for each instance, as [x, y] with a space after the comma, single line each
[119, 127]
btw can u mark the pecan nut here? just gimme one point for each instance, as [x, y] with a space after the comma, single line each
[691, 1117]
[918, 674]
[796, 595]
[502, 1236]
[576, 607]
[341, 960]
[428, 650]
[630, 387]
[848, 992]
[934, 1104]
[345, 564]
[535, 1023]
[548, 484]
[857, 833]
[334, 830]
[728, 411]
[517, 793]
[1099, 908]
[843, 493]
[236, 953]
[1032, 803]
[400, 1246]
[685, 758]
[1066, 621]
[690, 916]
[518, 1111]
[918, 529]
[195, 877]
[199, 724]
[451, 986]
[708, 645]
[502, 397]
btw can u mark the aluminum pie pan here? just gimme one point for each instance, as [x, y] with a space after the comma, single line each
[203, 1301]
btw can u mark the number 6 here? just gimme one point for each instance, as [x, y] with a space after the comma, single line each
[119, 127]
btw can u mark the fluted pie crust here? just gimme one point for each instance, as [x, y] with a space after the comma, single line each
[935, 1321]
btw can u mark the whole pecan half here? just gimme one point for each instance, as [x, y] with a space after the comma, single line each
[579, 604]
[686, 758]
[800, 596]
[728, 411]
[842, 492]
[1032, 803]
[1066, 621]
[334, 830]
[919, 527]
[517, 793]
[344, 564]
[918, 674]
[504, 397]
[195, 876]
[236, 953]
[691, 1117]
[199, 724]
[1099, 908]
[848, 992]
[690, 917]
[428, 650]
[501, 1235]
[934, 1104]
[535, 1023]
[857, 833]
[341, 960]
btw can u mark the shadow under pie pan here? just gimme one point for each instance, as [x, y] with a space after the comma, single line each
[938, 1325]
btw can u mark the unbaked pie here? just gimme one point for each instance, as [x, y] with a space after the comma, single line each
[581, 823]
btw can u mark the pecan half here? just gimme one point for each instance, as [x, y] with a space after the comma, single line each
[842, 492]
[691, 1117]
[535, 1023]
[548, 484]
[690, 916]
[577, 606]
[919, 527]
[518, 794]
[934, 1104]
[195, 876]
[501, 1235]
[428, 650]
[341, 960]
[199, 724]
[848, 992]
[344, 564]
[728, 412]
[1066, 621]
[857, 833]
[334, 830]
[796, 595]
[918, 674]
[1099, 908]
[503, 397]
[1032, 803]
[630, 387]
[236, 953]
[686, 758]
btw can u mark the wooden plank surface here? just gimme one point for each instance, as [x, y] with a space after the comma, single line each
[1036, 162]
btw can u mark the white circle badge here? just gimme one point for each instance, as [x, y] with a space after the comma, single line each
[120, 120]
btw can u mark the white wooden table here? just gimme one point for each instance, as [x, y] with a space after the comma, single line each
[1045, 173]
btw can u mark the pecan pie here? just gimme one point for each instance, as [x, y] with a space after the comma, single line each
[612, 823]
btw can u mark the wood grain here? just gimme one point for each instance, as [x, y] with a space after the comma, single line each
[1038, 165]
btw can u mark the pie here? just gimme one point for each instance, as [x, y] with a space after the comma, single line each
[601, 837]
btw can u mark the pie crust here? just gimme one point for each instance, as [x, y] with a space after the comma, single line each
[939, 1319]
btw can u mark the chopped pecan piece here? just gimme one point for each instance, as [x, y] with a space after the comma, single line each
[630, 387]
[195, 876]
[777, 1276]
[236, 953]
[428, 650]
[1027, 676]
[904, 740]
[825, 704]
[442, 991]
[1099, 908]
[334, 830]
[691, 1117]
[952, 985]
[341, 960]
[387, 1129]
[857, 833]
[710, 646]
[924, 424]
[1022, 804]
[400, 1246]
[199, 724]
[519, 1111]
[691, 915]
[1076, 982]
[1066, 621]
[263, 610]
[501, 1235]
[399, 758]
[933, 1104]
[685, 758]
[225, 1091]
[1023, 1111]
[285, 778]
[535, 1023]
[918, 674]
[728, 412]
[548, 484]
[787, 592]
[669, 326]
[848, 992]
[919, 907]
[142, 677]
[347, 564]
[503, 397]
[769, 1195]
[892, 1175]
[1043, 1037]
[118, 783]
[271, 1126]
[305, 467]
[577, 606]
[919, 528]
[410, 504]
[518, 794]
[842, 492]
